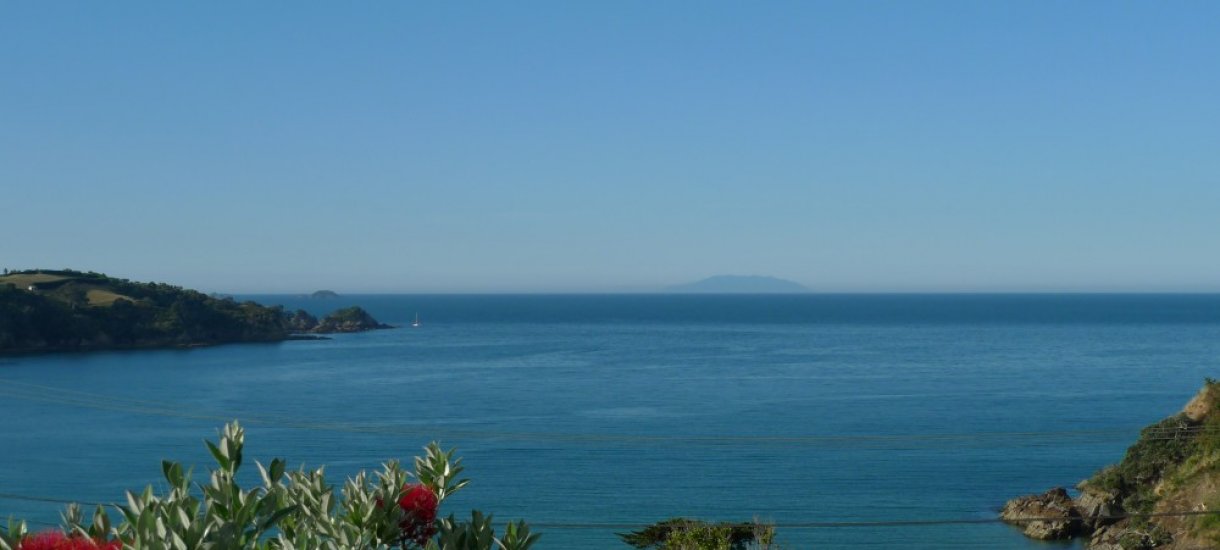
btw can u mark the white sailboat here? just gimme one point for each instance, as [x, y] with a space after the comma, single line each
[415, 324]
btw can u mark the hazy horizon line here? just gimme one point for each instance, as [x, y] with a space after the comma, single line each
[673, 293]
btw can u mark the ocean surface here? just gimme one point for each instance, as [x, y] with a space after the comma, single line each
[583, 414]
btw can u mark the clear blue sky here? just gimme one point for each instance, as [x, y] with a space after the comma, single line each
[608, 146]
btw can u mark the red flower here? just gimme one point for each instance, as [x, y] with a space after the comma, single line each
[419, 502]
[55, 540]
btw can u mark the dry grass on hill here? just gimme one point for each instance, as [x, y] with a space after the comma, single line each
[96, 296]
[23, 280]
[103, 298]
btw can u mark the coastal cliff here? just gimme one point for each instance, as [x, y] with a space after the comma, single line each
[1160, 496]
[65, 310]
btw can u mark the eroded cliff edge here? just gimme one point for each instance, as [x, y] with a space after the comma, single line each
[1161, 495]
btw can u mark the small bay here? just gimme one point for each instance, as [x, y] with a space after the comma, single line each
[577, 410]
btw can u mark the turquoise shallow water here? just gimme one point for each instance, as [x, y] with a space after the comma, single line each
[631, 409]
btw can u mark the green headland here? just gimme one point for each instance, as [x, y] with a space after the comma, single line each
[66, 310]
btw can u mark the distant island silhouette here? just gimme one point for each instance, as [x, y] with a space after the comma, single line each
[740, 284]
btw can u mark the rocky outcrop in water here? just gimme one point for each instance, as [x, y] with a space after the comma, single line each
[350, 319]
[1056, 515]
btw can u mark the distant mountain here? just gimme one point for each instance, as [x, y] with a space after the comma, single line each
[324, 295]
[740, 284]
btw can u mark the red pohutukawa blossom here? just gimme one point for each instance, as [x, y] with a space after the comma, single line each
[419, 502]
[55, 540]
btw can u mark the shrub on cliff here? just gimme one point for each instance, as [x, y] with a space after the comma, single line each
[1168, 453]
[295, 510]
[1161, 448]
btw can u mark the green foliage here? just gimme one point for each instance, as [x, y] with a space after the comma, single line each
[301, 321]
[1209, 436]
[59, 316]
[764, 535]
[1170, 454]
[1205, 457]
[1162, 447]
[12, 534]
[348, 319]
[478, 534]
[290, 510]
[1148, 537]
[517, 536]
[700, 537]
[1208, 525]
[437, 469]
[688, 534]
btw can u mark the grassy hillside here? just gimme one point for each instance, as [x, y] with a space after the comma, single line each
[69, 310]
[1163, 494]
[1174, 467]
[22, 280]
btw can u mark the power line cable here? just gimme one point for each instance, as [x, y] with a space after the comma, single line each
[146, 407]
[830, 524]
[52, 500]
[879, 523]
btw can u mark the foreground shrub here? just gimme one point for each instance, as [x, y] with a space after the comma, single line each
[295, 510]
[689, 534]
[57, 540]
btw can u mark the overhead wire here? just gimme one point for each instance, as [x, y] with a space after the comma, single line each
[51, 500]
[886, 523]
[826, 524]
[61, 396]
[47, 394]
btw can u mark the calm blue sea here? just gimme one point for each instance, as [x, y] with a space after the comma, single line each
[632, 409]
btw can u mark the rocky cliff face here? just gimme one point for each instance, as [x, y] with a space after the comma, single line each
[1057, 516]
[1159, 496]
